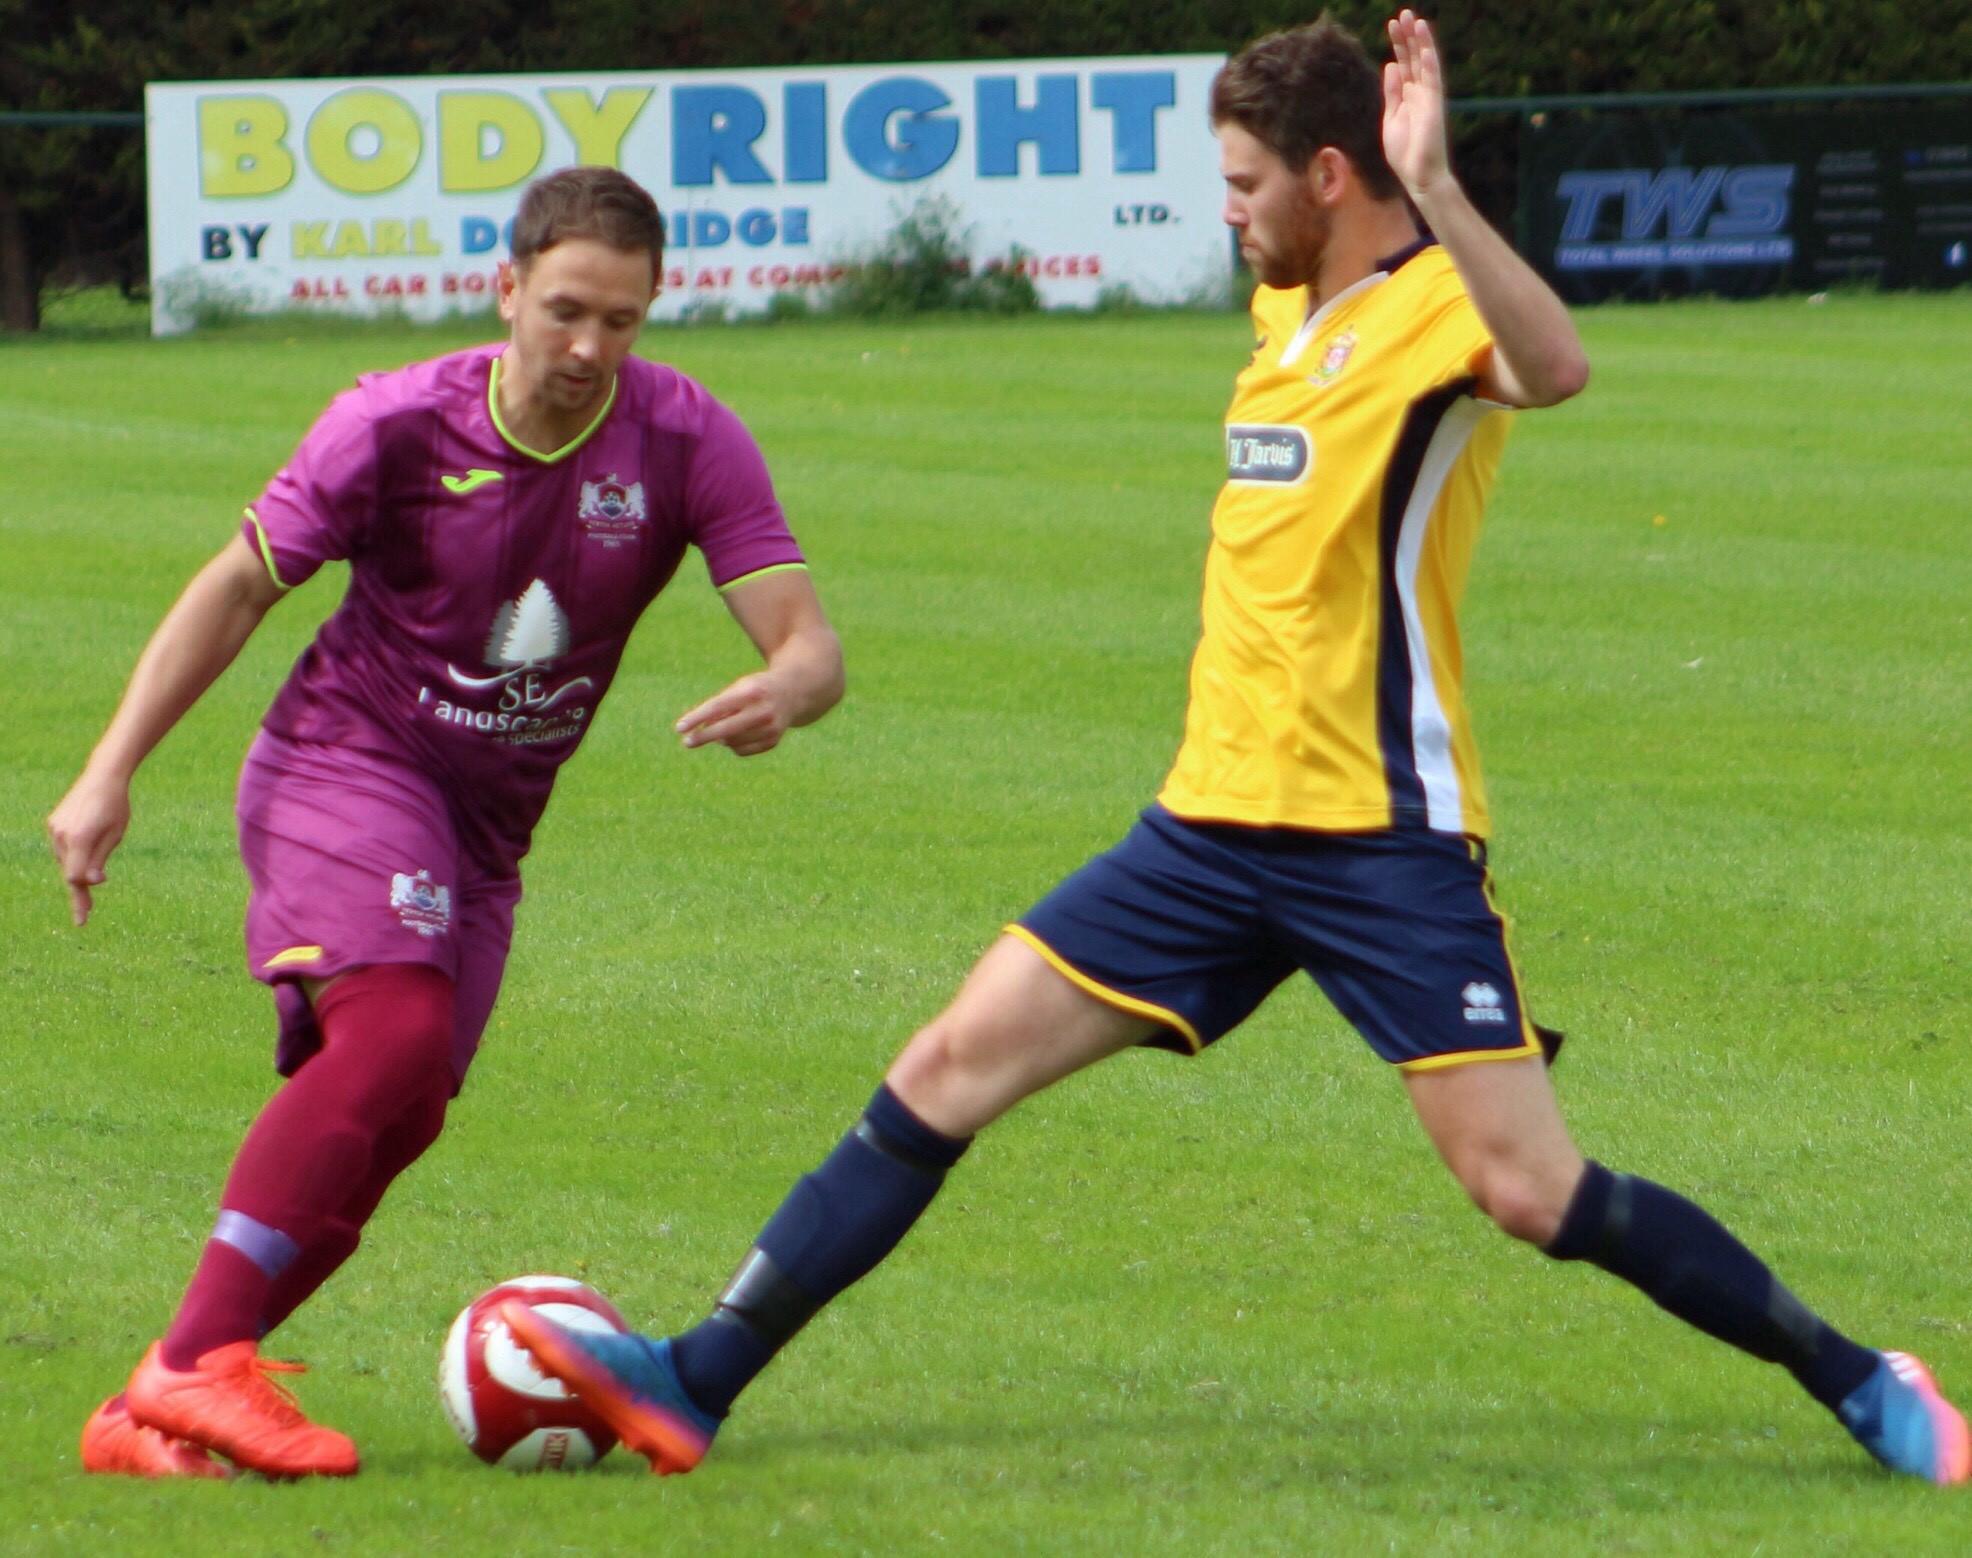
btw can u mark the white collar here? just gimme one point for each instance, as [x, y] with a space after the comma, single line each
[1312, 323]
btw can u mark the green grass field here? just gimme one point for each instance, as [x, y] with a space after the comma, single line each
[1718, 648]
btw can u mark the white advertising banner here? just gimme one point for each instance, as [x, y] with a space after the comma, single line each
[398, 193]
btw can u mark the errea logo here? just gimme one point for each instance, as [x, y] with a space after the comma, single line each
[1482, 1003]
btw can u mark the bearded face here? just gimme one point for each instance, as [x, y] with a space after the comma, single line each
[1283, 228]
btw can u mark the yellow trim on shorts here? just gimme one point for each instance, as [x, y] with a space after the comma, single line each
[1466, 1057]
[1528, 1033]
[294, 955]
[1102, 992]
[760, 573]
[1530, 1041]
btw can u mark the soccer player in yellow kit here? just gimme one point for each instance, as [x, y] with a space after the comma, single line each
[1325, 811]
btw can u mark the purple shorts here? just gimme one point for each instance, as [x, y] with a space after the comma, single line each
[353, 860]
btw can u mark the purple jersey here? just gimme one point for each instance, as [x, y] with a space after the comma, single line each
[492, 587]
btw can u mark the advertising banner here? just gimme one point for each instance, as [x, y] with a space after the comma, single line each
[397, 193]
[1745, 201]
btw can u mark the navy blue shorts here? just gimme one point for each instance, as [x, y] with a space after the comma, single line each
[1193, 924]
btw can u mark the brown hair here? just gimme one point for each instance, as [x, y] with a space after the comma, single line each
[1309, 87]
[598, 203]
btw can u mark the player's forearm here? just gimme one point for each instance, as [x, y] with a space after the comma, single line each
[808, 671]
[1533, 337]
[199, 637]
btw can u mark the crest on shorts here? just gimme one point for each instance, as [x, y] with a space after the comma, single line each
[1334, 359]
[423, 905]
[611, 510]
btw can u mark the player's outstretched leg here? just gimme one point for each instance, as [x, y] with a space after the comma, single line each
[834, 1227]
[1687, 1263]
[1497, 1126]
[115, 1442]
[1016, 1027]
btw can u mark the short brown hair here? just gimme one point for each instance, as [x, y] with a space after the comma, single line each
[598, 203]
[1308, 87]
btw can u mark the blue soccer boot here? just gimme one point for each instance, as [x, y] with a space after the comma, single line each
[626, 1379]
[1901, 1417]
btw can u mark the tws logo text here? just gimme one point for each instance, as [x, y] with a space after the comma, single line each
[1721, 215]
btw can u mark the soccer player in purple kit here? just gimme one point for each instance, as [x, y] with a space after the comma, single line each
[1325, 810]
[507, 513]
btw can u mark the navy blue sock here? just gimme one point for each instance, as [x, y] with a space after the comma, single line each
[834, 1227]
[1686, 1263]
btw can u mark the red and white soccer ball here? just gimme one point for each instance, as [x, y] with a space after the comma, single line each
[506, 1410]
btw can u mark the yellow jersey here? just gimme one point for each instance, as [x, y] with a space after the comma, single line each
[1326, 690]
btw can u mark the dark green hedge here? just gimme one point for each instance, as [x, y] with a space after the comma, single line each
[1499, 48]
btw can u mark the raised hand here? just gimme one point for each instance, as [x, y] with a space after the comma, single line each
[1414, 105]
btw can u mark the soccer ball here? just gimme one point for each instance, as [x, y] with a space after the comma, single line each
[505, 1409]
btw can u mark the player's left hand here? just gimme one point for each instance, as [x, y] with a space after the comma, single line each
[84, 829]
[749, 717]
[1414, 106]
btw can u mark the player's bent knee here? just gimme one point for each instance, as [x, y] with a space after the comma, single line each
[424, 1122]
[949, 1051]
[959, 1075]
[1522, 1198]
[1521, 1204]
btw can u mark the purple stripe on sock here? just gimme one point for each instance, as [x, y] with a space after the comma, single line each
[268, 1248]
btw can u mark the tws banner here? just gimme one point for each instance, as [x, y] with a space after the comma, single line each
[1744, 201]
[398, 193]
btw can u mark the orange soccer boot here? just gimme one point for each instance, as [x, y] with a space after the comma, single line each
[227, 1403]
[115, 1442]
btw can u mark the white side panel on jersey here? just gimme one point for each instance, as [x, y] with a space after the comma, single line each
[1431, 731]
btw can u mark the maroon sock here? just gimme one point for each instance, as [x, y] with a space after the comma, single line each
[333, 1244]
[386, 1049]
[396, 1150]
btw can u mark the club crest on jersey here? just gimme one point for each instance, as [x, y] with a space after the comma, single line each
[610, 510]
[1335, 359]
[423, 905]
[1276, 456]
[530, 633]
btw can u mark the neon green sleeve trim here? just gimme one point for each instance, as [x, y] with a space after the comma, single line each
[267, 552]
[760, 573]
